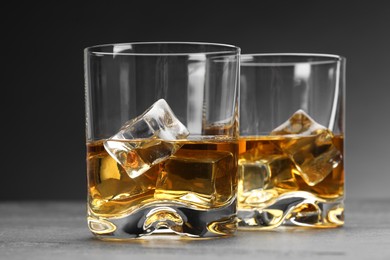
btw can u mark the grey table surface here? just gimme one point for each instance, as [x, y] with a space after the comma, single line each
[58, 230]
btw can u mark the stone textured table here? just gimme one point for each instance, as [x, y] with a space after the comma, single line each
[58, 230]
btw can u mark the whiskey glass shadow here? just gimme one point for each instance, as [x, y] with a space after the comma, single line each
[291, 148]
[162, 139]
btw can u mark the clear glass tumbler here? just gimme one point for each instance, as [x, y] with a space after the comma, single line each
[291, 145]
[162, 139]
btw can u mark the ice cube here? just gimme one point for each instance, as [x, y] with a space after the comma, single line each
[300, 123]
[310, 146]
[113, 189]
[254, 175]
[253, 181]
[263, 179]
[147, 139]
[281, 173]
[201, 177]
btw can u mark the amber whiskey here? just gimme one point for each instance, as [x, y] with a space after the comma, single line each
[193, 189]
[291, 180]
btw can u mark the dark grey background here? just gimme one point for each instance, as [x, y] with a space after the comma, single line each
[43, 137]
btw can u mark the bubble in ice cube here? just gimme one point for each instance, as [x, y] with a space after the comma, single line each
[310, 146]
[147, 139]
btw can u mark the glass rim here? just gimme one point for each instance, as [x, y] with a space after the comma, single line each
[95, 49]
[247, 59]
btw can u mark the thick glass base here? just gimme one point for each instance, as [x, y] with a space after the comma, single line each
[167, 219]
[293, 209]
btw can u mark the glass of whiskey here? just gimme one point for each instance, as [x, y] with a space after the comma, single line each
[162, 139]
[291, 144]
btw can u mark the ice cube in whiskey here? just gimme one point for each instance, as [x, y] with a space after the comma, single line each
[199, 177]
[311, 147]
[156, 124]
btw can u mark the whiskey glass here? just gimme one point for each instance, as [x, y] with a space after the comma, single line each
[291, 144]
[162, 139]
